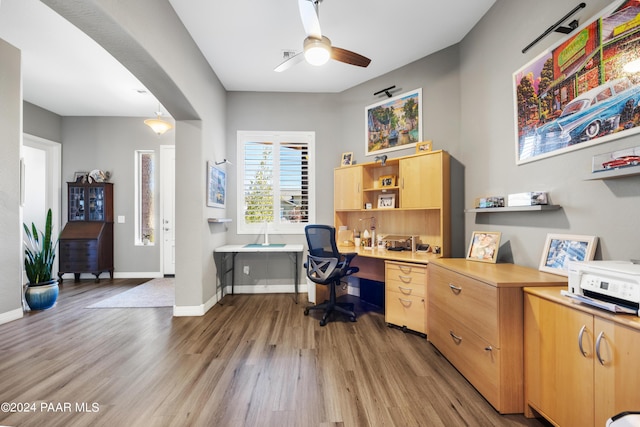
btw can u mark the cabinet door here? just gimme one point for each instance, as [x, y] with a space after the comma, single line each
[96, 204]
[421, 181]
[558, 375]
[348, 188]
[76, 201]
[617, 371]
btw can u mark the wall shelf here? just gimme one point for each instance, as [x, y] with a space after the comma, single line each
[218, 220]
[614, 173]
[516, 209]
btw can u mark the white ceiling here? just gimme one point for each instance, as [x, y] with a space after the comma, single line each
[66, 72]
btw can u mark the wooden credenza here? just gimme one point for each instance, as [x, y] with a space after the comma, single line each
[475, 319]
[86, 242]
[581, 363]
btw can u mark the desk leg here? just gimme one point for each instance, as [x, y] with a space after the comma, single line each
[233, 270]
[295, 265]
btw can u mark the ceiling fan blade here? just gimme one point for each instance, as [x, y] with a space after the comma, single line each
[310, 21]
[349, 57]
[289, 62]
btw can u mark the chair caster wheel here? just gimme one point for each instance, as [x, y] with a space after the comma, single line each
[323, 322]
[306, 311]
[352, 318]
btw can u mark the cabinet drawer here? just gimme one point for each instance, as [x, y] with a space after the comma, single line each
[465, 298]
[474, 357]
[405, 310]
[408, 279]
[78, 266]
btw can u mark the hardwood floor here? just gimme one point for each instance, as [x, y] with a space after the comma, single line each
[254, 360]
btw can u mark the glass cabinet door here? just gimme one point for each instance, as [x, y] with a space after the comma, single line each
[96, 204]
[76, 204]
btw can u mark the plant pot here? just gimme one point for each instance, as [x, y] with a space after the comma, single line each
[43, 295]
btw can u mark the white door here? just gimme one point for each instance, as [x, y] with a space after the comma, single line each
[42, 183]
[168, 211]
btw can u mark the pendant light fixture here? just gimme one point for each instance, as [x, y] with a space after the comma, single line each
[158, 125]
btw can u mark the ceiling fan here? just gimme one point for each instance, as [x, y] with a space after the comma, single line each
[317, 48]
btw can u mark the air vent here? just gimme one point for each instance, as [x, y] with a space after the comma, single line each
[286, 54]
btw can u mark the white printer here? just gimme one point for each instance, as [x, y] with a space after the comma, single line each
[611, 285]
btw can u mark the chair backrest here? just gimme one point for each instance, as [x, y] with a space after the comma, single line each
[321, 240]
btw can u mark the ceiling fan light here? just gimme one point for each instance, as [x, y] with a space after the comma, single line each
[158, 125]
[317, 51]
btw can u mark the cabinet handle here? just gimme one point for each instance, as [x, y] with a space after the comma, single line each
[405, 279]
[580, 335]
[598, 341]
[455, 289]
[455, 337]
[405, 302]
[405, 269]
[405, 290]
[490, 348]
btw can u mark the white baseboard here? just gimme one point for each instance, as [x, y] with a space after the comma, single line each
[266, 289]
[195, 310]
[11, 315]
[118, 275]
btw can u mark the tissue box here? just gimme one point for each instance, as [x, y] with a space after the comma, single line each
[531, 198]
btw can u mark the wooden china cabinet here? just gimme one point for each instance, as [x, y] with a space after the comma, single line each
[86, 242]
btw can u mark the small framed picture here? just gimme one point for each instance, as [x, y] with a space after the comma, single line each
[80, 177]
[559, 249]
[386, 201]
[484, 246]
[387, 181]
[347, 159]
[423, 147]
[216, 186]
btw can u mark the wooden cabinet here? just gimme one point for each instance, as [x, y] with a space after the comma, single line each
[86, 242]
[348, 188]
[420, 185]
[475, 319]
[421, 181]
[581, 364]
[405, 295]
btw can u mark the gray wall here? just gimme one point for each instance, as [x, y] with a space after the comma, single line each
[109, 144]
[468, 111]
[607, 209]
[10, 141]
[42, 123]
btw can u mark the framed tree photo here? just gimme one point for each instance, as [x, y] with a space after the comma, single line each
[216, 186]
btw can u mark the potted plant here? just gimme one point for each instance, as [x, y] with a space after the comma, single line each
[40, 252]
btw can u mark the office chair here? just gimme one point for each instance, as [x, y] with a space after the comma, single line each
[325, 265]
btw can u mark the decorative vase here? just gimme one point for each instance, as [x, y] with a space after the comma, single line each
[42, 296]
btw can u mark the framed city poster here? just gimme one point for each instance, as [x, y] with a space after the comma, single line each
[584, 90]
[216, 186]
[393, 124]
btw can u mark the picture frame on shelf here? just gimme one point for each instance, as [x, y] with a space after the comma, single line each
[560, 249]
[424, 147]
[80, 177]
[216, 186]
[347, 159]
[394, 123]
[387, 181]
[386, 201]
[484, 246]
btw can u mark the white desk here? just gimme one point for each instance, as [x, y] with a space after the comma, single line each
[234, 250]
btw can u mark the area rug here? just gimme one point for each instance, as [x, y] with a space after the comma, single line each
[154, 293]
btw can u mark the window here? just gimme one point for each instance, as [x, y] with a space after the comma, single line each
[275, 182]
[144, 194]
